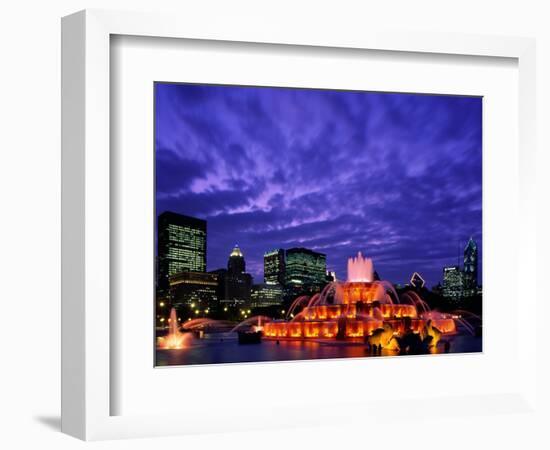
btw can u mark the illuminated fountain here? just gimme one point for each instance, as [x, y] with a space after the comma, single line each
[365, 308]
[175, 339]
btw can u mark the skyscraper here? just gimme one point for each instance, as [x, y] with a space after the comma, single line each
[452, 283]
[236, 263]
[470, 268]
[237, 283]
[305, 267]
[181, 246]
[274, 267]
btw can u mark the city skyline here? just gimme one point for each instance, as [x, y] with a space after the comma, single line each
[396, 176]
[264, 276]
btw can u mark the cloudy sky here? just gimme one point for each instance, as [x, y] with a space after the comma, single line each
[397, 176]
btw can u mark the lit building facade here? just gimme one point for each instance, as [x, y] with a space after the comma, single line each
[181, 246]
[274, 267]
[305, 269]
[453, 286]
[462, 283]
[266, 294]
[470, 281]
[196, 290]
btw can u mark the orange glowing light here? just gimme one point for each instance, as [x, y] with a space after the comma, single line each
[359, 309]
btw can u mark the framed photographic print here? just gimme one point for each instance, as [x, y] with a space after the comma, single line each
[278, 215]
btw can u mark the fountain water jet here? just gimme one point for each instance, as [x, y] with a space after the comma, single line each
[360, 269]
[295, 304]
[206, 324]
[175, 339]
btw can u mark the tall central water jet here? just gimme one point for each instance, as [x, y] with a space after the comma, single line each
[360, 269]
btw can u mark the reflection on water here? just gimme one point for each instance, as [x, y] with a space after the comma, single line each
[224, 348]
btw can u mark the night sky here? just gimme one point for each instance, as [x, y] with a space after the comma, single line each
[397, 176]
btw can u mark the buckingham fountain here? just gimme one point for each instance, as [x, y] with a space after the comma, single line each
[362, 307]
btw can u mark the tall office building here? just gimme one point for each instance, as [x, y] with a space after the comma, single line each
[305, 267]
[236, 263]
[453, 287]
[274, 267]
[181, 246]
[470, 268]
[237, 283]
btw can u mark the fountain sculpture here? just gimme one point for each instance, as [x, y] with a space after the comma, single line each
[362, 307]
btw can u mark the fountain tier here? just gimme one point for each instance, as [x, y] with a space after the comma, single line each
[358, 308]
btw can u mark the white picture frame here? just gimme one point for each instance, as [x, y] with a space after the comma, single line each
[86, 198]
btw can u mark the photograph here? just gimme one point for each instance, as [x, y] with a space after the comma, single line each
[303, 224]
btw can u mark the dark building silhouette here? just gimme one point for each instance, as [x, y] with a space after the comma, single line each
[236, 283]
[236, 263]
[274, 267]
[181, 246]
[221, 275]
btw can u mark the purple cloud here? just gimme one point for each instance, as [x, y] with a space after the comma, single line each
[397, 176]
